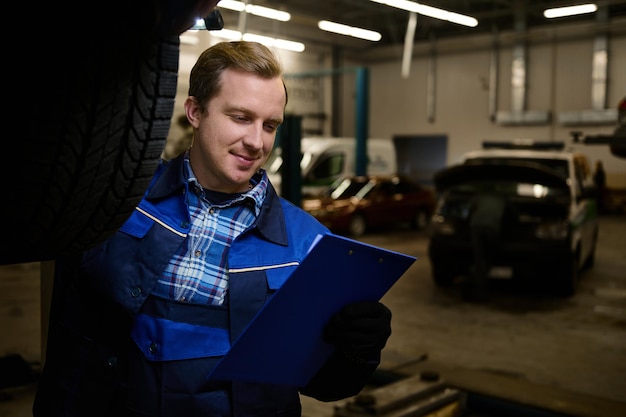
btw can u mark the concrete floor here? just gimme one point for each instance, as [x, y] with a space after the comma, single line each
[524, 345]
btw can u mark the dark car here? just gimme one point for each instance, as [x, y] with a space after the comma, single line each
[357, 204]
[548, 229]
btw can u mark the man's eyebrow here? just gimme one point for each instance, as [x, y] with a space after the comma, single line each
[278, 121]
[239, 109]
[248, 112]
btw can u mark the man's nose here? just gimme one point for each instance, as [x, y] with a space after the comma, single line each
[254, 138]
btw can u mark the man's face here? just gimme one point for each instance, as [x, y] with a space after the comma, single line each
[236, 133]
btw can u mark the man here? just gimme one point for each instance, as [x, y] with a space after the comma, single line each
[599, 179]
[485, 219]
[138, 322]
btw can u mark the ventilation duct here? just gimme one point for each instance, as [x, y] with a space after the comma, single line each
[599, 114]
[518, 114]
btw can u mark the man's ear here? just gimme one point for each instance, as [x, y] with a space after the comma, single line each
[193, 111]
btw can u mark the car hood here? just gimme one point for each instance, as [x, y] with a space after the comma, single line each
[475, 171]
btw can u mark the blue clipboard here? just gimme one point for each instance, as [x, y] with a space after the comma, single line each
[283, 343]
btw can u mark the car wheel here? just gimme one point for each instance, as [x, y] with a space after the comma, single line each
[591, 258]
[421, 220]
[86, 164]
[93, 109]
[568, 282]
[442, 277]
[357, 226]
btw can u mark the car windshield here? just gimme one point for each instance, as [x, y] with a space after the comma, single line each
[557, 165]
[275, 161]
[347, 188]
[510, 189]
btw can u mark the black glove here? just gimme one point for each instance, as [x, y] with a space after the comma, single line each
[360, 330]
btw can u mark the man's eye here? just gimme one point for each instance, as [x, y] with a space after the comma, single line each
[272, 127]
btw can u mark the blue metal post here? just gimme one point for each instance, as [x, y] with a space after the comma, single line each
[361, 129]
[289, 137]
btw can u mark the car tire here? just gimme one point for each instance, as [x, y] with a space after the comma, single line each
[94, 113]
[567, 284]
[591, 258]
[357, 226]
[442, 277]
[421, 220]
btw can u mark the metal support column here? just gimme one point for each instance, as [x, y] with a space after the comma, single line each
[289, 138]
[362, 120]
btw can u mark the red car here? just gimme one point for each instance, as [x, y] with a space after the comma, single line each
[357, 204]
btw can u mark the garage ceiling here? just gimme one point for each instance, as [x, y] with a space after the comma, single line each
[493, 16]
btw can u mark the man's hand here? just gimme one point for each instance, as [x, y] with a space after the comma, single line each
[360, 330]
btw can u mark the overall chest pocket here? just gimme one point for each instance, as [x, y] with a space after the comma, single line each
[165, 340]
[276, 277]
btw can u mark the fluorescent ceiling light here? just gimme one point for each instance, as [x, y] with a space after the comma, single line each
[430, 11]
[268, 13]
[188, 39]
[227, 34]
[570, 10]
[369, 35]
[274, 42]
[239, 6]
[234, 35]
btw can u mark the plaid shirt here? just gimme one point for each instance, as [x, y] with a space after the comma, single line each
[198, 272]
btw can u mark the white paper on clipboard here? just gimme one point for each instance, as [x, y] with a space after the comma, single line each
[283, 344]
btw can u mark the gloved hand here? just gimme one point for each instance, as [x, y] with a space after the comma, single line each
[360, 330]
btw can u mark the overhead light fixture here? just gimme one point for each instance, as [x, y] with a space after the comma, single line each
[262, 11]
[430, 11]
[355, 32]
[274, 42]
[570, 10]
[227, 34]
[234, 35]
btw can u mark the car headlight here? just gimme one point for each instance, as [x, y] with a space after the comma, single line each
[552, 230]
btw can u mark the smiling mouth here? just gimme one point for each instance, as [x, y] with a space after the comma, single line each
[246, 158]
[246, 161]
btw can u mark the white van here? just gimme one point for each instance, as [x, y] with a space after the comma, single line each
[325, 159]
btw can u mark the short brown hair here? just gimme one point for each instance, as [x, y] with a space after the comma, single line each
[205, 79]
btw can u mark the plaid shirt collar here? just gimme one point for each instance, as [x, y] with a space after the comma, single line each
[256, 194]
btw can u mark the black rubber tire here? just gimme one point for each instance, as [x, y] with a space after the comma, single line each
[591, 258]
[567, 284]
[442, 277]
[94, 107]
[421, 220]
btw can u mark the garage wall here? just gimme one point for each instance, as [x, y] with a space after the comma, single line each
[558, 80]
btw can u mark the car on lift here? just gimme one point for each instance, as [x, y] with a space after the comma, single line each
[549, 228]
[102, 96]
[357, 204]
